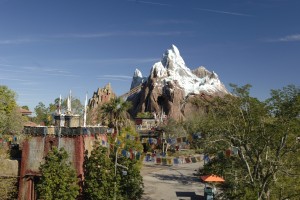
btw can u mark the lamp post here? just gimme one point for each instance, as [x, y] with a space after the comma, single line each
[117, 165]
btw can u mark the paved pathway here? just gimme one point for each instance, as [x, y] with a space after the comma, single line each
[172, 183]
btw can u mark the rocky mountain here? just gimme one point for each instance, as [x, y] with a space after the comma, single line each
[172, 87]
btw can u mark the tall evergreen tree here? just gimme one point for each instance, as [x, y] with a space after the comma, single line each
[131, 184]
[58, 180]
[101, 182]
[99, 175]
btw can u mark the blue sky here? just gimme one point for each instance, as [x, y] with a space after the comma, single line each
[48, 47]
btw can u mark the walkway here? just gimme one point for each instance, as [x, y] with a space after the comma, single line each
[172, 183]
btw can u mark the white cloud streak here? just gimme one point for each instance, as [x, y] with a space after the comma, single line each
[149, 2]
[223, 12]
[201, 9]
[115, 77]
[133, 61]
[50, 38]
[12, 79]
[171, 21]
[121, 33]
[32, 71]
[118, 76]
[290, 38]
[18, 41]
[48, 71]
[287, 38]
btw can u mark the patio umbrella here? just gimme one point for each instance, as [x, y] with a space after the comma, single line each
[212, 178]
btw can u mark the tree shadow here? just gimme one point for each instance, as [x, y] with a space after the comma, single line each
[179, 178]
[192, 195]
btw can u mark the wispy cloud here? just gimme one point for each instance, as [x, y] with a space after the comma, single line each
[223, 12]
[118, 76]
[13, 79]
[18, 41]
[171, 21]
[49, 38]
[201, 9]
[84, 35]
[133, 61]
[149, 2]
[28, 89]
[121, 33]
[48, 71]
[13, 71]
[115, 77]
[158, 33]
[288, 38]
[29, 71]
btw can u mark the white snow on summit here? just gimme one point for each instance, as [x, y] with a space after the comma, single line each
[173, 68]
[137, 78]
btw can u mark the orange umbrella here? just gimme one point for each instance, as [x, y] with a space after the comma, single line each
[212, 178]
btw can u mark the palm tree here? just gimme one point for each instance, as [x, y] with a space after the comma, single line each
[115, 112]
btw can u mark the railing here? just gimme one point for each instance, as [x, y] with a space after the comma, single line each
[131, 92]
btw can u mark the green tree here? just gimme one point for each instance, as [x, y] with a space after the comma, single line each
[99, 175]
[58, 180]
[264, 135]
[45, 114]
[53, 106]
[100, 166]
[144, 115]
[77, 107]
[130, 185]
[15, 122]
[42, 114]
[8, 188]
[10, 123]
[130, 182]
[25, 107]
[10, 118]
[115, 112]
[284, 105]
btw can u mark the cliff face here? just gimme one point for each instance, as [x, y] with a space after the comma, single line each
[101, 96]
[172, 88]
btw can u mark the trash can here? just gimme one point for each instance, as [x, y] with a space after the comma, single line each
[148, 158]
[208, 193]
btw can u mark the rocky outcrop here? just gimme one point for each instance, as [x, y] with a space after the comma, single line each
[101, 96]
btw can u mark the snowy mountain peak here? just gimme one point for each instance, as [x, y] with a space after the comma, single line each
[172, 68]
[137, 79]
[171, 56]
[137, 73]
